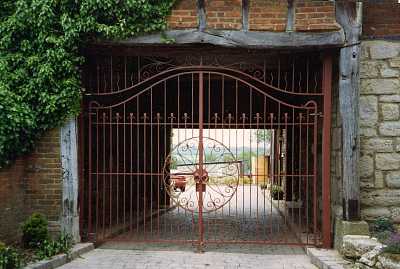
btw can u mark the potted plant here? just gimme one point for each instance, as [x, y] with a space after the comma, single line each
[277, 192]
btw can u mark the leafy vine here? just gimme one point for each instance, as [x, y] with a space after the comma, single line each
[40, 56]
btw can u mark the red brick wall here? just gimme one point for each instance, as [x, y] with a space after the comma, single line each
[224, 14]
[381, 18]
[264, 15]
[315, 16]
[32, 184]
[183, 15]
[13, 204]
[267, 15]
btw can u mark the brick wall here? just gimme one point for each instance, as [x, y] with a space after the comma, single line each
[224, 14]
[380, 130]
[13, 204]
[381, 18]
[264, 15]
[267, 15]
[31, 184]
[183, 15]
[315, 16]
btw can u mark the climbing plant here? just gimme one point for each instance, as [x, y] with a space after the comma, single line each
[40, 56]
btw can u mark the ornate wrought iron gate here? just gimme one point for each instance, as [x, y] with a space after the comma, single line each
[205, 149]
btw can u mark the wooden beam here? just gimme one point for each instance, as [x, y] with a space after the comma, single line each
[245, 14]
[239, 39]
[290, 16]
[349, 15]
[201, 15]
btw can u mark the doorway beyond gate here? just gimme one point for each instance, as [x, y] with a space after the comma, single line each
[206, 149]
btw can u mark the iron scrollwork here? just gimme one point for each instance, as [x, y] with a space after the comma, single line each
[220, 166]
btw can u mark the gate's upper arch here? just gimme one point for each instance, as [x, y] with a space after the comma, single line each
[292, 80]
[283, 97]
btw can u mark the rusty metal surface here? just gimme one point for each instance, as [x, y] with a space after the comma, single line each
[168, 142]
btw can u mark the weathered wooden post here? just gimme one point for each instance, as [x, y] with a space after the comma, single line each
[349, 15]
[69, 161]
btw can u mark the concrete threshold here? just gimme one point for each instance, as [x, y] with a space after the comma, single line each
[327, 258]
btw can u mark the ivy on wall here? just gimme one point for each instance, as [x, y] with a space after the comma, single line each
[40, 42]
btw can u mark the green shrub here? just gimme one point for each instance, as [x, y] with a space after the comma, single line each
[49, 248]
[382, 224]
[34, 230]
[9, 257]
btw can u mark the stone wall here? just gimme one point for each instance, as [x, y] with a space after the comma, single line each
[32, 184]
[380, 130]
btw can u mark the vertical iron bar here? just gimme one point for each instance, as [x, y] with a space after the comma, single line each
[201, 239]
[307, 172]
[117, 172]
[138, 177]
[104, 176]
[315, 152]
[151, 161]
[97, 172]
[90, 231]
[124, 191]
[131, 170]
[111, 169]
[300, 172]
[144, 173]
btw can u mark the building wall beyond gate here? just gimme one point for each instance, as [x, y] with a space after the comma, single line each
[380, 130]
[32, 184]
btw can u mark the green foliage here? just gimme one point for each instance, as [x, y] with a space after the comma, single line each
[40, 56]
[49, 248]
[9, 257]
[382, 224]
[243, 180]
[263, 136]
[34, 230]
[276, 189]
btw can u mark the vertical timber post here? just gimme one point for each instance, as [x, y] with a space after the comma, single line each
[349, 15]
[326, 150]
[245, 14]
[201, 14]
[290, 16]
[69, 163]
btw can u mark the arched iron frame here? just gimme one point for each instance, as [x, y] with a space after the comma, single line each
[97, 103]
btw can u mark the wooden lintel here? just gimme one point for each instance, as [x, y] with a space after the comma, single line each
[239, 39]
[349, 15]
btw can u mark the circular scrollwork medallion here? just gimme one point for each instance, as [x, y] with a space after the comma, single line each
[218, 180]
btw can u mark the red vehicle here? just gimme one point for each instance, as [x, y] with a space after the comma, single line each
[179, 182]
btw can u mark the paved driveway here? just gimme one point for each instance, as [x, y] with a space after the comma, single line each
[132, 259]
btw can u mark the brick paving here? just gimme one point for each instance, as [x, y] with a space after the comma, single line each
[240, 223]
[289, 258]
